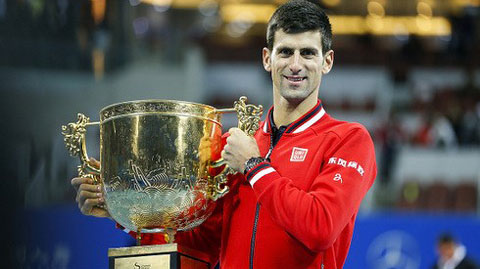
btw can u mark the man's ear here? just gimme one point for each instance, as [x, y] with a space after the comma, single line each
[327, 62]
[266, 59]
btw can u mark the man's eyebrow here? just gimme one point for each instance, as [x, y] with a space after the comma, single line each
[284, 48]
[309, 49]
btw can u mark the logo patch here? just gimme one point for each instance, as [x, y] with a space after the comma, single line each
[298, 154]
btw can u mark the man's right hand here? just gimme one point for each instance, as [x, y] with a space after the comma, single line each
[90, 197]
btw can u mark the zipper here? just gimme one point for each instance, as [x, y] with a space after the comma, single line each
[257, 210]
[271, 146]
[252, 242]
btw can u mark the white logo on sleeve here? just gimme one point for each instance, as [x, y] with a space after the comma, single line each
[298, 154]
[338, 177]
[347, 164]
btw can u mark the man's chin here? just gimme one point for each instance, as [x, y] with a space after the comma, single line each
[296, 96]
[295, 99]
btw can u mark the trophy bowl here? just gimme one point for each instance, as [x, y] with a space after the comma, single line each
[157, 160]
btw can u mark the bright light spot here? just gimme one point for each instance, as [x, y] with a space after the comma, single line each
[257, 13]
[424, 9]
[208, 7]
[239, 27]
[98, 10]
[424, 24]
[375, 9]
[374, 23]
[331, 3]
[161, 5]
[134, 2]
[400, 32]
[348, 24]
[246, 19]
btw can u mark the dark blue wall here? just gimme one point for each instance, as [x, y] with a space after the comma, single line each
[62, 237]
[396, 240]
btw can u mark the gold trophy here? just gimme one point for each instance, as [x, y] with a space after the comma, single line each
[156, 160]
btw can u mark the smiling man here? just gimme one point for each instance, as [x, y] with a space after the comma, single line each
[302, 176]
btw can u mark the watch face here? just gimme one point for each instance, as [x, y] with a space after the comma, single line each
[252, 162]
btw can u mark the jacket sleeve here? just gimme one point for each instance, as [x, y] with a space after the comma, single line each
[316, 217]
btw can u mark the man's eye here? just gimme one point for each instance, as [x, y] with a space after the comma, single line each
[308, 53]
[285, 51]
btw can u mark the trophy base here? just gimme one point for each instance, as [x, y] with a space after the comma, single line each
[168, 256]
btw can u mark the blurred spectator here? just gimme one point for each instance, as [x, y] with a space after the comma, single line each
[391, 136]
[452, 255]
[469, 131]
[436, 131]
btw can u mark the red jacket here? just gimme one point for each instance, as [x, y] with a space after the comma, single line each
[298, 211]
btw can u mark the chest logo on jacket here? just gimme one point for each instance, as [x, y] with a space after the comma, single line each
[298, 154]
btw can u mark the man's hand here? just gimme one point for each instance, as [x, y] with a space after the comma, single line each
[239, 148]
[89, 195]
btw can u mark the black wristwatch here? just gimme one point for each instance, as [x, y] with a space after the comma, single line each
[251, 163]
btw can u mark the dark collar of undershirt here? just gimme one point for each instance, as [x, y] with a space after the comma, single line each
[276, 132]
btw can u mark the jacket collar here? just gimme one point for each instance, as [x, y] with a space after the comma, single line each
[301, 124]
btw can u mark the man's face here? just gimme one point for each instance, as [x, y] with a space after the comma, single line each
[446, 250]
[297, 64]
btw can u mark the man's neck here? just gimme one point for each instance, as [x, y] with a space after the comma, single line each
[287, 112]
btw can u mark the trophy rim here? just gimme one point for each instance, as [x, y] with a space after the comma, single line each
[150, 106]
[162, 113]
[156, 101]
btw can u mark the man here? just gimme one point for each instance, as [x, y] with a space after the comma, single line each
[452, 255]
[305, 173]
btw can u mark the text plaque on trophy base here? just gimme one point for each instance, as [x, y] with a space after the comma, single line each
[168, 256]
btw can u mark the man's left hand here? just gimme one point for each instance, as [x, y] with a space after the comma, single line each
[239, 148]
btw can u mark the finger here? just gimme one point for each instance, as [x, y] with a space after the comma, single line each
[77, 181]
[226, 155]
[90, 188]
[82, 196]
[87, 207]
[90, 204]
[229, 140]
[84, 188]
[226, 149]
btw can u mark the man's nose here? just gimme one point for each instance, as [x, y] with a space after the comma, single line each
[295, 64]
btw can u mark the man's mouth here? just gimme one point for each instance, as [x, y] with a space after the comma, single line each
[295, 78]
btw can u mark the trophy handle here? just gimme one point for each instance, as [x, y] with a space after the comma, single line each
[248, 121]
[74, 138]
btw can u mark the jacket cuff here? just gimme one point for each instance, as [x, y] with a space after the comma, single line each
[262, 174]
[118, 226]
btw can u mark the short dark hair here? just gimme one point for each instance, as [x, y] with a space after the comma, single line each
[298, 16]
[446, 238]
